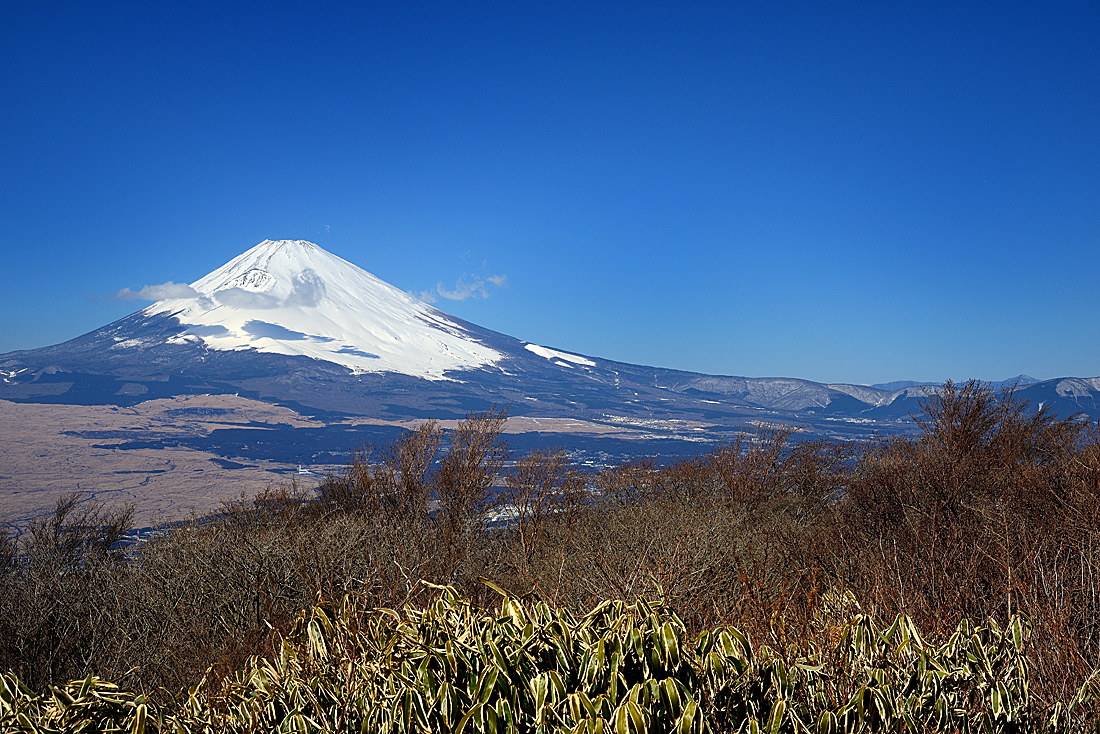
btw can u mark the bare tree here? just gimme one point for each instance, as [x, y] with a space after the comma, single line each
[465, 477]
[755, 468]
[542, 485]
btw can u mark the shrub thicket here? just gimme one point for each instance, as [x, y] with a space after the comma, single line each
[989, 512]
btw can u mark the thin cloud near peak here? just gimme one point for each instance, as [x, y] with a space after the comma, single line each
[471, 286]
[157, 292]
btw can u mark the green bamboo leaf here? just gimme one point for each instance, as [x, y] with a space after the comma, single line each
[406, 711]
[827, 723]
[557, 685]
[638, 719]
[671, 642]
[85, 686]
[690, 721]
[503, 665]
[671, 700]
[447, 702]
[620, 721]
[296, 723]
[490, 720]
[25, 723]
[580, 706]
[64, 700]
[587, 727]
[997, 704]
[976, 652]
[745, 651]
[776, 719]
[138, 727]
[540, 690]
[889, 633]
[715, 667]
[884, 704]
[1055, 717]
[487, 582]
[485, 685]
[1019, 633]
[505, 715]
[461, 727]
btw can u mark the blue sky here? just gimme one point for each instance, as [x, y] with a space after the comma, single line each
[840, 192]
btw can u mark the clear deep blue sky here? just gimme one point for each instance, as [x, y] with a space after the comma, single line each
[840, 192]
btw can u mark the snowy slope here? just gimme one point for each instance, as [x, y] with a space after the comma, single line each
[291, 297]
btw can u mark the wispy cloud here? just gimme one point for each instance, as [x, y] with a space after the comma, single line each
[240, 298]
[157, 292]
[472, 286]
[307, 289]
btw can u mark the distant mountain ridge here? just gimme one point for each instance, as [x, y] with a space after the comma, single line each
[291, 323]
[1018, 380]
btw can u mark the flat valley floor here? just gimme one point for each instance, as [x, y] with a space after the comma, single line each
[48, 451]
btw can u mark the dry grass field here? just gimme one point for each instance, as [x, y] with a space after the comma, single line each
[48, 451]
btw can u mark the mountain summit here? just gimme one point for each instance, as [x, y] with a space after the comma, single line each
[291, 297]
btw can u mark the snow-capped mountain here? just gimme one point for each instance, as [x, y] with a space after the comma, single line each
[291, 323]
[291, 297]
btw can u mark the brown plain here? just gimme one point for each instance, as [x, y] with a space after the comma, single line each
[44, 457]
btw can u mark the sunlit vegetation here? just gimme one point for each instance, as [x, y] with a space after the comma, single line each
[946, 582]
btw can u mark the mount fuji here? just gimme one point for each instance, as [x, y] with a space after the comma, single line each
[295, 299]
[289, 323]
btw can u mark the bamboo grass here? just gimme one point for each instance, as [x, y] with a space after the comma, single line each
[450, 668]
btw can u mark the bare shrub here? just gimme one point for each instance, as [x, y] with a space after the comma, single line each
[396, 484]
[541, 485]
[546, 493]
[462, 485]
[991, 510]
[62, 602]
[468, 469]
[675, 532]
[753, 469]
[630, 482]
[353, 490]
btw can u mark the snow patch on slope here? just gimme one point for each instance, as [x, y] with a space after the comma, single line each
[292, 297]
[1077, 387]
[555, 354]
[871, 395]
